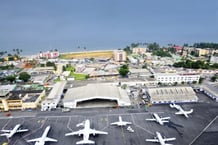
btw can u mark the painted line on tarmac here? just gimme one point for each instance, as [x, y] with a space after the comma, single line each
[203, 131]
[140, 126]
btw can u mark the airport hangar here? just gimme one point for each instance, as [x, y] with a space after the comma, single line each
[96, 95]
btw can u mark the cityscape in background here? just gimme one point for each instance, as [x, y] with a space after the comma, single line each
[108, 72]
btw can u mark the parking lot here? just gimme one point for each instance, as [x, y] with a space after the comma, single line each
[199, 128]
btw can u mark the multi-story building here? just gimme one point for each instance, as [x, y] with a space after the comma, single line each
[49, 55]
[202, 52]
[214, 59]
[52, 100]
[171, 78]
[138, 50]
[119, 55]
[20, 100]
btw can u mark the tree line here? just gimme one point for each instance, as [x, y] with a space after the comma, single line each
[195, 64]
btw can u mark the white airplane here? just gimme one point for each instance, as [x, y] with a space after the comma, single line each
[180, 110]
[158, 119]
[121, 122]
[86, 131]
[10, 133]
[44, 138]
[160, 139]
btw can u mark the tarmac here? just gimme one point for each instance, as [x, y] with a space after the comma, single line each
[200, 128]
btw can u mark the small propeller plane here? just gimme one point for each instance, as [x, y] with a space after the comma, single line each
[180, 110]
[160, 139]
[158, 119]
[10, 133]
[86, 131]
[44, 138]
[121, 122]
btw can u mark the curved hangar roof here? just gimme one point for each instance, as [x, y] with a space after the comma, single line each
[95, 91]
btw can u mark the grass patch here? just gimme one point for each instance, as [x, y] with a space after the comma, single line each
[70, 68]
[79, 76]
[58, 79]
[90, 54]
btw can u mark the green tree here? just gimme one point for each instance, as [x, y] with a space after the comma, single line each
[161, 53]
[24, 76]
[153, 46]
[144, 66]
[127, 50]
[213, 78]
[64, 68]
[11, 78]
[124, 70]
[201, 80]
[194, 82]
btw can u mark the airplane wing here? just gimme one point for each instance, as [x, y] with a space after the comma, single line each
[34, 140]
[152, 140]
[165, 118]
[4, 134]
[22, 130]
[85, 142]
[93, 131]
[179, 113]
[6, 130]
[164, 121]
[115, 123]
[151, 119]
[74, 133]
[50, 139]
[169, 139]
[127, 122]
[189, 112]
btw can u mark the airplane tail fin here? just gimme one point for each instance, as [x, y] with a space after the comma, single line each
[85, 142]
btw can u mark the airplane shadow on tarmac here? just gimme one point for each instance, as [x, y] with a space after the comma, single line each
[175, 126]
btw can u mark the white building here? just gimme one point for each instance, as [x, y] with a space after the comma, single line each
[211, 90]
[214, 59]
[54, 96]
[162, 95]
[170, 78]
[92, 92]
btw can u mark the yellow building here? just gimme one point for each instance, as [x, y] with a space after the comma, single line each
[138, 50]
[25, 101]
[202, 52]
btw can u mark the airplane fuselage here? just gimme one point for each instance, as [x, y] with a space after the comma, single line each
[158, 119]
[160, 138]
[14, 130]
[45, 133]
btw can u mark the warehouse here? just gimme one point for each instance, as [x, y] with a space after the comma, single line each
[172, 94]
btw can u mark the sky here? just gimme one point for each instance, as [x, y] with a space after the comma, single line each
[40, 25]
